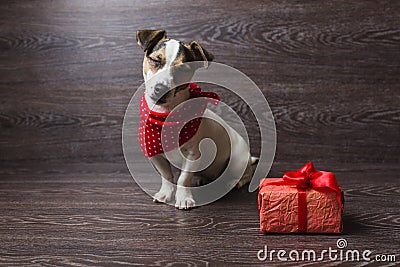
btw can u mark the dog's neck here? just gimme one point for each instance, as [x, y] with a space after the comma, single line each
[180, 97]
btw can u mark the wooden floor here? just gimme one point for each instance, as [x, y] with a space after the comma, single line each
[329, 69]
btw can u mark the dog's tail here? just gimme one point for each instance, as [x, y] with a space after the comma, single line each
[254, 160]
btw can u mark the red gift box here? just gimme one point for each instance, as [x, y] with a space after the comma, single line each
[303, 201]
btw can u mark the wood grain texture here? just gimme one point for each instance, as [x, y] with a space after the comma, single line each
[330, 72]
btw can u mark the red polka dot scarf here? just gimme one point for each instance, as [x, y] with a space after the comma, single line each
[155, 129]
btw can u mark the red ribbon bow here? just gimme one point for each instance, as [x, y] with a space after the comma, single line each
[308, 177]
[305, 178]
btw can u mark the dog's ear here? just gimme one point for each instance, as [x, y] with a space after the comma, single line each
[200, 54]
[147, 39]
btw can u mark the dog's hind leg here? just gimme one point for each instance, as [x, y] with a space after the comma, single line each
[247, 175]
[254, 160]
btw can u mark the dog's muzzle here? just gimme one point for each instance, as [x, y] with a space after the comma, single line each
[160, 93]
[160, 89]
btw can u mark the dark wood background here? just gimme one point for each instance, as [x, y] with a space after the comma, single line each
[329, 69]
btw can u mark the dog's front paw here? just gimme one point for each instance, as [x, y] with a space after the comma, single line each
[164, 195]
[184, 199]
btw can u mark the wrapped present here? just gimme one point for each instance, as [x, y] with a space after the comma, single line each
[303, 201]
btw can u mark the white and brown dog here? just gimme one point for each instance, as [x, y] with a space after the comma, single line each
[162, 95]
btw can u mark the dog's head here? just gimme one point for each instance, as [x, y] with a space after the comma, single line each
[164, 59]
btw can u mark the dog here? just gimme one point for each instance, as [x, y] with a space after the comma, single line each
[161, 96]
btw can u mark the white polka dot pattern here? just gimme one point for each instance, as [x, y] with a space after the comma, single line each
[152, 124]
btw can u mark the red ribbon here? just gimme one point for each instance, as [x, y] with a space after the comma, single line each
[305, 178]
[195, 91]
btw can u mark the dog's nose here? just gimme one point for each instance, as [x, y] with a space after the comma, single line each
[160, 89]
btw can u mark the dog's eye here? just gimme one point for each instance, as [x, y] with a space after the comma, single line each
[156, 62]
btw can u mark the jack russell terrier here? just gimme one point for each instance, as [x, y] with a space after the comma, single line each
[166, 90]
